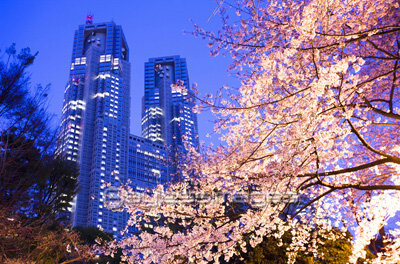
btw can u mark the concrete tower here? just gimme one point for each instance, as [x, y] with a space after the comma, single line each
[167, 115]
[94, 128]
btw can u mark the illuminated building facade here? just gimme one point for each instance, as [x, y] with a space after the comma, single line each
[167, 115]
[94, 128]
[147, 165]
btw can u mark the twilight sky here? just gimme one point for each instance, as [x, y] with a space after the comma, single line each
[153, 28]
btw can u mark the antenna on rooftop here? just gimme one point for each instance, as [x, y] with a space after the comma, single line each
[89, 19]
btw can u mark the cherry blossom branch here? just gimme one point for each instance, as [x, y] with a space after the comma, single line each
[365, 36]
[258, 146]
[362, 187]
[372, 30]
[348, 170]
[382, 50]
[246, 107]
[368, 146]
[313, 201]
[315, 64]
[393, 86]
[381, 112]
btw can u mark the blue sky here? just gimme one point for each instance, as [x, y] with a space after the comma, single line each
[153, 28]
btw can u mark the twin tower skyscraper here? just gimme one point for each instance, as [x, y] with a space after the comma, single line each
[95, 122]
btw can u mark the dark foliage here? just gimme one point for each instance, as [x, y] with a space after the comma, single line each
[34, 186]
[270, 251]
[89, 235]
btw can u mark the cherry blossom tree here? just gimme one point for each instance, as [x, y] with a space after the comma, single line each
[317, 114]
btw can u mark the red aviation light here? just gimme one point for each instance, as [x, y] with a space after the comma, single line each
[89, 19]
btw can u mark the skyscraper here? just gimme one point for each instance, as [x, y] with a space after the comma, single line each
[167, 115]
[94, 128]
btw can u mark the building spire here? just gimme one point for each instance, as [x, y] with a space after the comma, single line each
[89, 19]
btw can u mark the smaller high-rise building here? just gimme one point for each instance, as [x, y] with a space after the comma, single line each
[167, 115]
[147, 163]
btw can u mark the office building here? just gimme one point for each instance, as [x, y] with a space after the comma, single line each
[94, 128]
[147, 163]
[167, 115]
